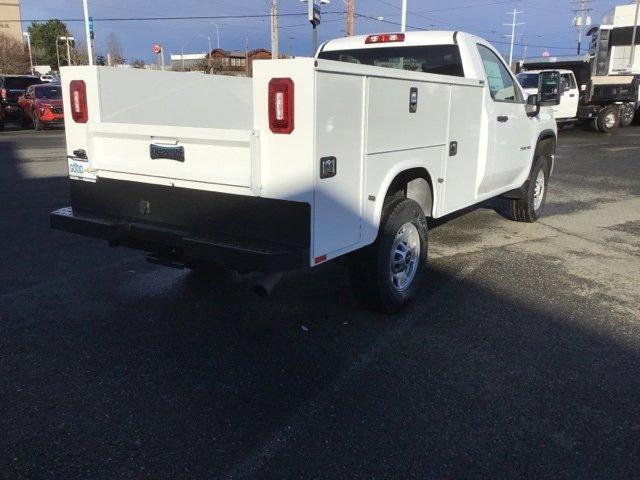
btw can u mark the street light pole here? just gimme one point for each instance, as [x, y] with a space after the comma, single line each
[67, 39]
[28, 35]
[217, 33]
[87, 31]
[632, 54]
[403, 26]
[58, 53]
[275, 40]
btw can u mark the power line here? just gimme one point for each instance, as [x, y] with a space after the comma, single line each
[192, 17]
[368, 17]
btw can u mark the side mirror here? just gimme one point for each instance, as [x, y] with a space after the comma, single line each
[27, 96]
[532, 107]
[549, 88]
[565, 86]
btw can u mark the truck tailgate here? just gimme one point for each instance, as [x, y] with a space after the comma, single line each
[183, 129]
[206, 155]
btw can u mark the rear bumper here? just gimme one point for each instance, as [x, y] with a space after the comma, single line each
[180, 227]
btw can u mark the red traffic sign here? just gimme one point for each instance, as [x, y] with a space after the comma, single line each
[156, 48]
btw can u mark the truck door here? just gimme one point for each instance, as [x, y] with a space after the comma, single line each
[568, 106]
[509, 128]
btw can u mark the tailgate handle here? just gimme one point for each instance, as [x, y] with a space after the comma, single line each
[165, 152]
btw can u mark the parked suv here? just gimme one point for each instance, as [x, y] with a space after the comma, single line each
[11, 88]
[41, 106]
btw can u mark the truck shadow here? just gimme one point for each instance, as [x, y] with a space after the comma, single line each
[469, 382]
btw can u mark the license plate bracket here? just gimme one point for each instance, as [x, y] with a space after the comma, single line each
[166, 152]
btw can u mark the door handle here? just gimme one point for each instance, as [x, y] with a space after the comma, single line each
[503, 118]
[572, 95]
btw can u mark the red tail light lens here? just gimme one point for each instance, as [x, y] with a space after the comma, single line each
[385, 38]
[79, 111]
[281, 105]
[3, 93]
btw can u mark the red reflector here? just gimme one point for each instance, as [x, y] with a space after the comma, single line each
[385, 38]
[281, 105]
[320, 259]
[78, 94]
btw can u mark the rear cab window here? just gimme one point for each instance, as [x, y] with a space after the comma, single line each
[437, 59]
[20, 83]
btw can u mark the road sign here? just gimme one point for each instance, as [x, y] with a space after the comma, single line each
[157, 49]
[315, 13]
[91, 34]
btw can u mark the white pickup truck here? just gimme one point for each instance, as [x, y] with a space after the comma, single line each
[310, 160]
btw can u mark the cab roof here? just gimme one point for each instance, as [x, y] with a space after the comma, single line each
[540, 71]
[430, 37]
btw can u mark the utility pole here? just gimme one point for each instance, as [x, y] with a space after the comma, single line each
[87, 31]
[581, 19]
[403, 21]
[274, 30]
[513, 26]
[632, 54]
[351, 11]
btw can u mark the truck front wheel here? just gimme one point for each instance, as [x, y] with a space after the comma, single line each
[390, 271]
[608, 119]
[529, 208]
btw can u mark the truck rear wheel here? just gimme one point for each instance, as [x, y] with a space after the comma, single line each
[390, 271]
[608, 119]
[627, 112]
[529, 208]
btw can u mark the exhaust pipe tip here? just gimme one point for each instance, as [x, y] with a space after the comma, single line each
[266, 283]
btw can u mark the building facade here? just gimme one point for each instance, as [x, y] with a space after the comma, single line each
[235, 62]
[10, 20]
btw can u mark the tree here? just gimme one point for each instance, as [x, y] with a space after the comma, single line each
[44, 37]
[114, 49]
[209, 66]
[137, 63]
[13, 57]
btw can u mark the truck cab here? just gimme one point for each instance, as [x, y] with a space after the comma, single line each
[345, 155]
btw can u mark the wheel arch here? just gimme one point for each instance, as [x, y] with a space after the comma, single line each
[545, 146]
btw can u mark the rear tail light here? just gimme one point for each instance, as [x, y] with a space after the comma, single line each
[79, 111]
[3, 93]
[281, 105]
[385, 38]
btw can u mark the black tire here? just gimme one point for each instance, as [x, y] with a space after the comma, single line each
[608, 119]
[38, 126]
[371, 269]
[24, 120]
[627, 112]
[525, 209]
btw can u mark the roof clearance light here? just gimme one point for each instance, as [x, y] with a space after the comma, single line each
[385, 38]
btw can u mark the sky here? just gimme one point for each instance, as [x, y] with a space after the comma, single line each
[546, 23]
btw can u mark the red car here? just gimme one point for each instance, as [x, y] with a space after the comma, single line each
[42, 106]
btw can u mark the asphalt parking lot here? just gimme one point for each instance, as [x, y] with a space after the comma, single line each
[520, 360]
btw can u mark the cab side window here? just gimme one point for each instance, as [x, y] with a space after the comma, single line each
[501, 83]
[567, 79]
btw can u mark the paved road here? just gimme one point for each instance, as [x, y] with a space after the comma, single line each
[521, 359]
